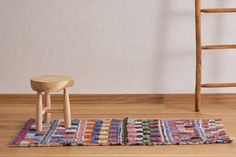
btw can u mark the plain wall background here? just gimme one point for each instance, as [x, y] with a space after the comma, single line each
[113, 46]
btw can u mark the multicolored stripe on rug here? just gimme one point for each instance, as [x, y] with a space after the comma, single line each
[81, 132]
[128, 131]
[159, 132]
[100, 132]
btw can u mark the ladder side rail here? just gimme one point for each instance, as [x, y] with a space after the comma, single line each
[198, 55]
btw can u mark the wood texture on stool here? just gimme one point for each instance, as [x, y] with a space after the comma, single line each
[39, 115]
[47, 105]
[67, 112]
[51, 83]
[46, 84]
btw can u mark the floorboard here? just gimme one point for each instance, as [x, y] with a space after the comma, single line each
[14, 114]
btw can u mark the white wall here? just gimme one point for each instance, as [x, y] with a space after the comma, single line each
[112, 46]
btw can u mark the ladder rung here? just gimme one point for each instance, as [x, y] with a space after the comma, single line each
[218, 85]
[218, 10]
[212, 47]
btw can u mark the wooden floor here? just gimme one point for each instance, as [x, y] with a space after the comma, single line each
[16, 109]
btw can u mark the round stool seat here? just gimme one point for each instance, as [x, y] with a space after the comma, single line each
[51, 83]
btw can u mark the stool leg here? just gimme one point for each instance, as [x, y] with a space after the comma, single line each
[47, 116]
[39, 116]
[67, 113]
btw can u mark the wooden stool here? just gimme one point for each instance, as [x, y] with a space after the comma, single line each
[46, 84]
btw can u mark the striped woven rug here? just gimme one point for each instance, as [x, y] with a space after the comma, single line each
[128, 131]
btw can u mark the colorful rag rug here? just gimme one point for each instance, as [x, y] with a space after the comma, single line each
[126, 131]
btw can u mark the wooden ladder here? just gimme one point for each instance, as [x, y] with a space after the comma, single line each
[200, 47]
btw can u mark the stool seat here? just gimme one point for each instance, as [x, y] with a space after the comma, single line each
[51, 83]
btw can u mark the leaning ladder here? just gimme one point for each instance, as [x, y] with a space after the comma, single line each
[200, 47]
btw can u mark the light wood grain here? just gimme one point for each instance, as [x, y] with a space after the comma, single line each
[218, 85]
[218, 10]
[215, 47]
[200, 47]
[169, 106]
[198, 55]
[67, 112]
[39, 112]
[51, 83]
[86, 98]
[54, 110]
[47, 116]
[47, 84]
